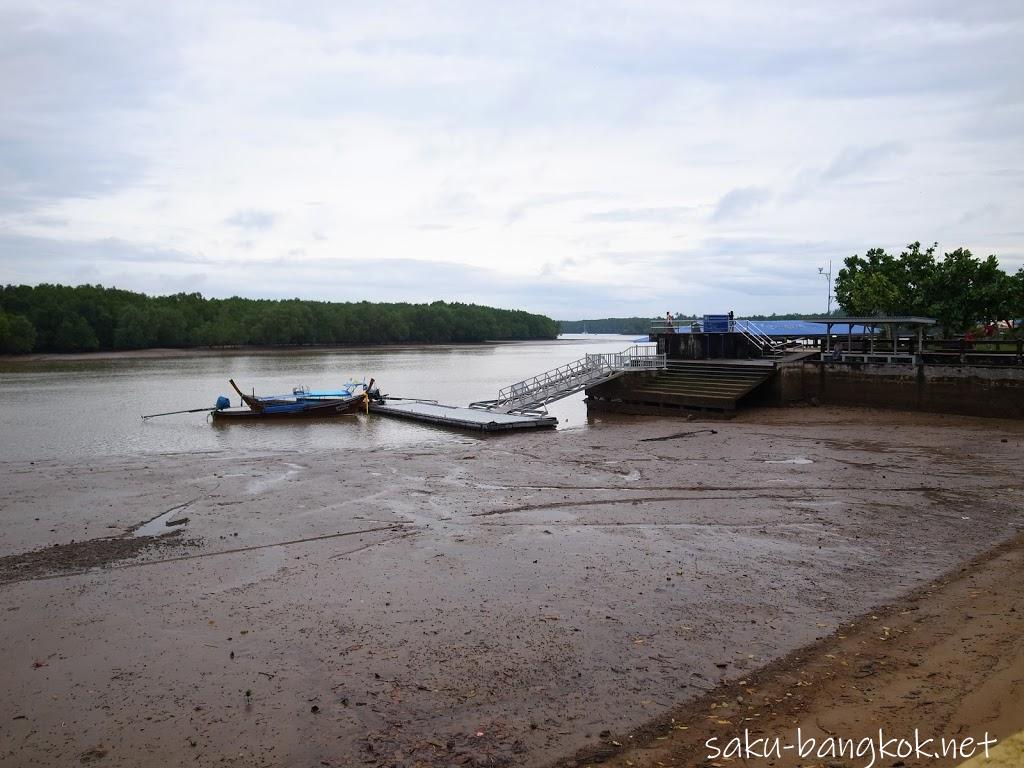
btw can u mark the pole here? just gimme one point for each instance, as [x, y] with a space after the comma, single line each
[828, 287]
[172, 413]
[828, 295]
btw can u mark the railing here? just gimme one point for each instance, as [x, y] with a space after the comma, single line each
[662, 326]
[572, 377]
[755, 335]
[586, 367]
[637, 357]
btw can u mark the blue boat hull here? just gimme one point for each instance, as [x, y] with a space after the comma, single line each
[300, 409]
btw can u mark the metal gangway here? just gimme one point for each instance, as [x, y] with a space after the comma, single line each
[531, 395]
[755, 335]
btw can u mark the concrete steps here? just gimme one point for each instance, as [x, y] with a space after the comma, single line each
[699, 384]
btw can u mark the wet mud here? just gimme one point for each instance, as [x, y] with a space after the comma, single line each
[946, 660]
[509, 601]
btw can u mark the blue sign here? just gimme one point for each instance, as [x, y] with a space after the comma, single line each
[716, 323]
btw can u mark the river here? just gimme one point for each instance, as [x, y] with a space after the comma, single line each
[76, 409]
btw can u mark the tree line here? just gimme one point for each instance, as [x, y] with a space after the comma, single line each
[622, 325]
[88, 318]
[959, 289]
[638, 325]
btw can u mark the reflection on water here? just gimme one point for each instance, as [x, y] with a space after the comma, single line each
[76, 409]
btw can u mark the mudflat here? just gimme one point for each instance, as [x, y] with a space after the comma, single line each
[941, 671]
[521, 600]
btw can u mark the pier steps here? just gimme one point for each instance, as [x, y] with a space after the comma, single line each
[692, 384]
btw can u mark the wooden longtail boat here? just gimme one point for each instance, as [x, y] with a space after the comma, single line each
[301, 403]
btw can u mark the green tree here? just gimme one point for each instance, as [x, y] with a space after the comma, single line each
[960, 290]
[74, 334]
[134, 331]
[968, 290]
[17, 334]
[62, 318]
[882, 284]
[1017, 296]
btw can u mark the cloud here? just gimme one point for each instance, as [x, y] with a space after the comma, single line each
[740, 202]
[658, 215]
[251, 219]
[854, 160]
[572, 159]
[523, 208]
[153, 270]
[75, 87]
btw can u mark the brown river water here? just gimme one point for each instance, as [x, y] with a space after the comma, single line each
[83, 408]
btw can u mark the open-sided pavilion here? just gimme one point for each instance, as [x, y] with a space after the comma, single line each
[891, 325]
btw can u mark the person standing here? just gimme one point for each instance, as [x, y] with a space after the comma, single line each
[669, 325]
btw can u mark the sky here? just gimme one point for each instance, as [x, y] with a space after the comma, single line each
[576, 159]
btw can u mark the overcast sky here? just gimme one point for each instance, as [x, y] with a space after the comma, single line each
[577, 159]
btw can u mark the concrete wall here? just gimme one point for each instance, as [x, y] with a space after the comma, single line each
[704, 346]
[970, 390]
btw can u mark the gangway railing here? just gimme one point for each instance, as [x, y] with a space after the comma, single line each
[753, 333]
[756, 336]
[531, 394]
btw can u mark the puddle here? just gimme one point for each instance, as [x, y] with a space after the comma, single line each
[158, 525]
[794, 460]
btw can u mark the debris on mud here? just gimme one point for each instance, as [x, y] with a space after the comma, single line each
[678, 435]
[81, 555]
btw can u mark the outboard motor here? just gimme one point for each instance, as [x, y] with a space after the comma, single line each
[222, 403]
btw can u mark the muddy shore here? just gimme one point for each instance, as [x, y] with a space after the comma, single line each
[507, 602]
[945, 661]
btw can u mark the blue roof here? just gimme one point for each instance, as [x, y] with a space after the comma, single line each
[787, 328]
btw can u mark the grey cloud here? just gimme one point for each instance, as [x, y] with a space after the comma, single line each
[252, 219]
[84, 58]
[73, 85]
[746, 266]
[853, 160]
[522, 209]
[659, 215]
[989, 212]
[43, 220]
[34, 170]
[46, 254]
[740, 201]
[84, 90]
[142, 268]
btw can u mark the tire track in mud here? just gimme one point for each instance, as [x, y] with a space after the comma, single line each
[615, 524]
[783, 494]
[752, 488]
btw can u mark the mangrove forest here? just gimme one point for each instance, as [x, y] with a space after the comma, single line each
[89, 318]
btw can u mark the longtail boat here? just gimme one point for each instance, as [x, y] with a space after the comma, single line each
[301, 403]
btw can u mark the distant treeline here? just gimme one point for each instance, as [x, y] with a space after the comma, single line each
[796, 315]
[87, 318]
[623, 325]
[631, 325]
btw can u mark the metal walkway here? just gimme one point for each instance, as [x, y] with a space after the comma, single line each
[461, 418]
[531, 395]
